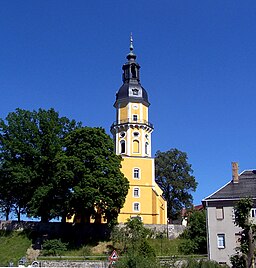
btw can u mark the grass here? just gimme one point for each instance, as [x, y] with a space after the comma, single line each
[13, 246]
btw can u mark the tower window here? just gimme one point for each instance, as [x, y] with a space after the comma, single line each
[136, 206]
[135, 91]
[122, 134]
[136, 146]
[135, 117]
[122, 143]
[146, 148]
[136, 173]
[136, 192]
[136, 134]
[133, 71]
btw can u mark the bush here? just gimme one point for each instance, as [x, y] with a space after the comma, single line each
[53, 247]
[188, 247]
[202, 264]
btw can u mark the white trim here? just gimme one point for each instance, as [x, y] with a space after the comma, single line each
[141, 112]
[128, 139]
[153, 172]
[129, 110]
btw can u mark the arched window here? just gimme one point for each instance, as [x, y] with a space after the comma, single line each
[136, 146]
[146, 148]
[122, 144]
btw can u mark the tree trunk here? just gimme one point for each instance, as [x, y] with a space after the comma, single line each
[250, 254]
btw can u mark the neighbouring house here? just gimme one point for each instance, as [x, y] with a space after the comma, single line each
[223, 234]
[183, 219]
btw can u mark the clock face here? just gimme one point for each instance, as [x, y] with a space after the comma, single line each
[135, 106]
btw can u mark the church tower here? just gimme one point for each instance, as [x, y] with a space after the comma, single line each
[132, 136]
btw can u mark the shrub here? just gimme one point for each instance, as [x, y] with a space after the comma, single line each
[53, 247]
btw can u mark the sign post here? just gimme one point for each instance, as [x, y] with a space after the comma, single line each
[113, 257]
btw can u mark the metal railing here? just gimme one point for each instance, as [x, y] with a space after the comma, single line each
[131, 121]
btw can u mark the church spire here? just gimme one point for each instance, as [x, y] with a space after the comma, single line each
[131, 56]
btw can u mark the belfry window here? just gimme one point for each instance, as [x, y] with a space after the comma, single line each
[133, 71]
[122, 144]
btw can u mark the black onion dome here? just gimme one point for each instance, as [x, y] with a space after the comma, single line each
[131, 90]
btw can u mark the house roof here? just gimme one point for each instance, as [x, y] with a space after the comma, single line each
[246, 187]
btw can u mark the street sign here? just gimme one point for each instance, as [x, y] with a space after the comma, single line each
[113, 257]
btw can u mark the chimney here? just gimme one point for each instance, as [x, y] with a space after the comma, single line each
[235, 177]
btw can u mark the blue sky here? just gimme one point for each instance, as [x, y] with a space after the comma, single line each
[198, 62]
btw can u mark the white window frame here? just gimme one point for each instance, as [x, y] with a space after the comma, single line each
[136, 192]
[135, 117]
[221, 241]
[136, 206]
[136, 171]
[253, 213]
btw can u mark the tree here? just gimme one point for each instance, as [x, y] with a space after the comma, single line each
[173, 175]
[99, 187]
[195, 235]
[31, 144]
[133, 245]
[245, 253]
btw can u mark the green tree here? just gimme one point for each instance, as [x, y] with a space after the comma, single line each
[245, 253]
[132, 243]
[195, 235]
[99, 187]
[173, 175]
[31, 144]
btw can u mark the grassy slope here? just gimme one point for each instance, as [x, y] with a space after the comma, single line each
[13, 246]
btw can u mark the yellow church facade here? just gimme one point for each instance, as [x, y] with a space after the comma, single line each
[132, 137]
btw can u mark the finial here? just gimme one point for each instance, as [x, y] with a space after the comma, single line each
[131, 43]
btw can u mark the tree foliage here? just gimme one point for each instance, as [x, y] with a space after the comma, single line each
[195, 235]
[131, 242]
[245, 253]
[173, 174]
[51, 166]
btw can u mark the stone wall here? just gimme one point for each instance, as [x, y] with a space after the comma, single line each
[83, 231]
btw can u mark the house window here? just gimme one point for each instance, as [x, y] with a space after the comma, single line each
[219, 213]
[136, 206]
[136, 173]
[136, 192]
[135, 117]
[253, 212]
[122, 143]
[221, 240]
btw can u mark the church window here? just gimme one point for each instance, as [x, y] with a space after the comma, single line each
[135, 117]
[122, 143]
[136, 192]
[136, 146]
[136, 206]
[146, 148]
[136, 173]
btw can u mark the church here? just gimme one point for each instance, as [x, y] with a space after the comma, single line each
[132, 137]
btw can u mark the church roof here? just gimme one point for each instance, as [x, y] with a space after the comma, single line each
[245, 187]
